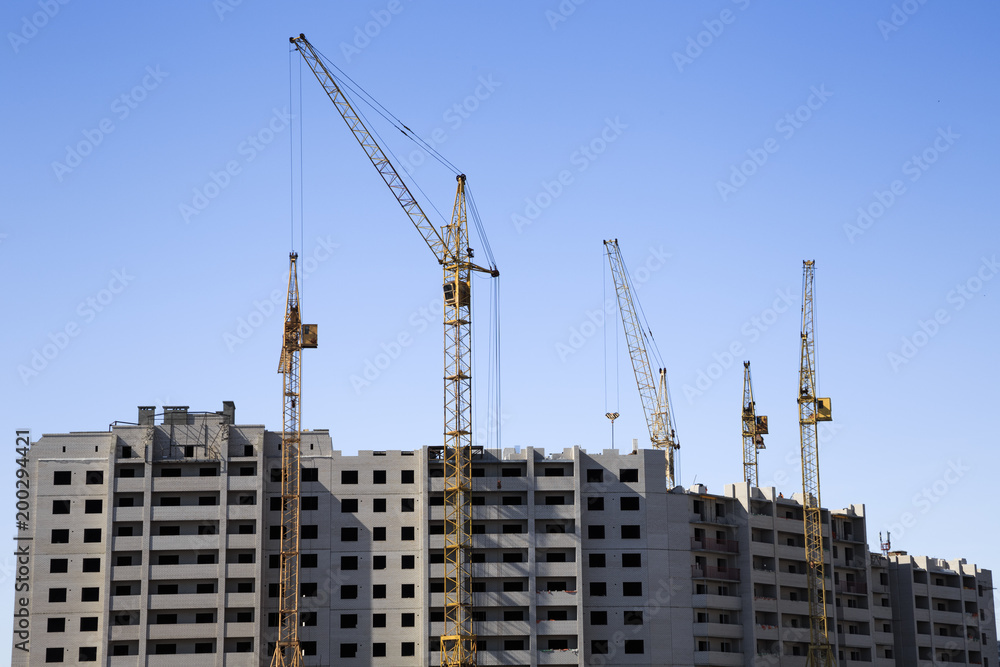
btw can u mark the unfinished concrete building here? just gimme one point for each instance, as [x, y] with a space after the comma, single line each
[156, 541]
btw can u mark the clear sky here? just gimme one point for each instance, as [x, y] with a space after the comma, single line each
[146, 182]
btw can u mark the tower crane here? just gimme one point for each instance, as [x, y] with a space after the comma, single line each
[655, 403]
[297, 336]
[811, 411]
[450, 247]
[754, 430]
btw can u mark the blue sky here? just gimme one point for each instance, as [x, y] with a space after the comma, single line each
[722, 143]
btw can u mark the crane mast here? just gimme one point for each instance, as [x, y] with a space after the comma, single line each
[451, 249]
[754, 430]
[655, 403]
[296, 337]
[811, 411]
[458, 646]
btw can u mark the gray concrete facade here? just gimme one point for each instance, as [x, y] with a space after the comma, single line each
[146, 543]
[942, 611]
[156, 544]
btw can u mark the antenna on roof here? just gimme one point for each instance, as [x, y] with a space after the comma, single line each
[886, 544]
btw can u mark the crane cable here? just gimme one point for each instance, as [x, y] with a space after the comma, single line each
[291, 160]
[493, 417]
[647, 335]
[647, 331]
[368, 99]
[291, 164]
[360, 93]
[393, 120]
[480, 231]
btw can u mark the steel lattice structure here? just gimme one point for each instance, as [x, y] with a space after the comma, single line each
[458, 646]
[811, 411]
[754, 430]
[296, 337]
[451, 249]
[655, 404]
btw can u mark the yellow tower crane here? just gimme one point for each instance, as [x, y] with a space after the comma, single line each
[811, 411]
[297, 336]
[655, 404]
[451, 249]
[754, 430]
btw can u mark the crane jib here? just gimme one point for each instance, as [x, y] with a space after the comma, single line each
[431, 235]
[655, 401]
[450, 246]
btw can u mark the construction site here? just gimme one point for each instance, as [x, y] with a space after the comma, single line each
[185, 536]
